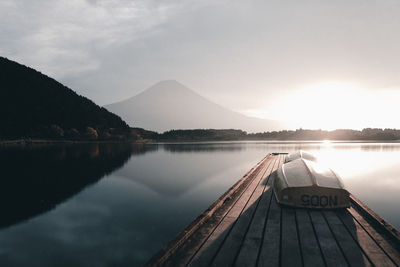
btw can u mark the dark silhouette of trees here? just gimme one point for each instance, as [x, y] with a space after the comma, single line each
[33, 105]
[91, 133]
[203, 135]
[299, 134]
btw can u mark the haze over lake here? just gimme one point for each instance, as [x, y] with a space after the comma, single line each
[115, 204]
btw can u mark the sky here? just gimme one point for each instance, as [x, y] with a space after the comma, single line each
[317, 63]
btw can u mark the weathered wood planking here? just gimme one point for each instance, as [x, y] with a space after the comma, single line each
[243, 207]
[189, 243]
[247, 227]
[249, 250]
[310, 246]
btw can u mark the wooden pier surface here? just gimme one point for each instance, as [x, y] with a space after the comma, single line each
[247, 227]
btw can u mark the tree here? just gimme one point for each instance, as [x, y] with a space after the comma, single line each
[56, 131]
[91, 133]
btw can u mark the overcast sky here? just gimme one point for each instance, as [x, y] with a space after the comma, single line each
[246, 55]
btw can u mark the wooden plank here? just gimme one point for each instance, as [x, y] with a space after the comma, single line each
[270, 246]
[332, 254]
[371, 249]
[222, 203]
[247, 227]
[290, 246]
[206, 253]
[349, 247]
[311, 251]
[248, 253]
[231, 246]
[388, 247]
[185, 253]
[238, 208]
[376, 219]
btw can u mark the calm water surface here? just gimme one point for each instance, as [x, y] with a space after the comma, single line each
[116, 205]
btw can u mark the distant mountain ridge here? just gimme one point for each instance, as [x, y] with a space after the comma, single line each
[35, 105]
[170, 105]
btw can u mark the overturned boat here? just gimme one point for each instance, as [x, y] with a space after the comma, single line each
[300, 155]
[304, 183]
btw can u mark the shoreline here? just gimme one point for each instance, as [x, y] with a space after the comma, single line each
[151, 141]
[275, 141]
[49, 141]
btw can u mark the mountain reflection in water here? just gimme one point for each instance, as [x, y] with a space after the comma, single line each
[57, 209]
[112, 204]
[36, 178]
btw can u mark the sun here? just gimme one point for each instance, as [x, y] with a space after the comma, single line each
[334, 105]
[325, 106]
[327, 142]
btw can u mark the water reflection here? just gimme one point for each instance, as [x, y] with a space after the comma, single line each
[117, 204]
[36, 178]
[203, 147]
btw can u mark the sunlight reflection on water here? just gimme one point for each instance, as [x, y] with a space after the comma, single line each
[120, 205]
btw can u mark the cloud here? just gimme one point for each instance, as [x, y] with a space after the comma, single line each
[64, 38]
[239, 54]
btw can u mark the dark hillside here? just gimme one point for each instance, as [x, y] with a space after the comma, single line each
[35, 105]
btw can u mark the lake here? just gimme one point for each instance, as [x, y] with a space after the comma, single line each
[118, 204]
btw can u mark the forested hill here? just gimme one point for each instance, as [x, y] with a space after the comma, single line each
[35, 105]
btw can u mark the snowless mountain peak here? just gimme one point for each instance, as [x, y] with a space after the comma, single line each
[171, 105]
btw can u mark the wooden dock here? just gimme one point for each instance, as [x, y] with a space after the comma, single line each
[247, 227]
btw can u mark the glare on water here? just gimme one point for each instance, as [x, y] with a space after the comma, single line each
[93, 208]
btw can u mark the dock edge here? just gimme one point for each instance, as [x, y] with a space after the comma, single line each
[161, 256]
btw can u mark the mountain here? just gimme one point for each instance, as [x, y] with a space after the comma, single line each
[35, 105]
[170, 105]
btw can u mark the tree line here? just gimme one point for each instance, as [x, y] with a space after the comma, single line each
[299, 134]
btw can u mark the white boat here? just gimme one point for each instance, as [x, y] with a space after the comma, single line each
[308, 184]
[300, 155]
